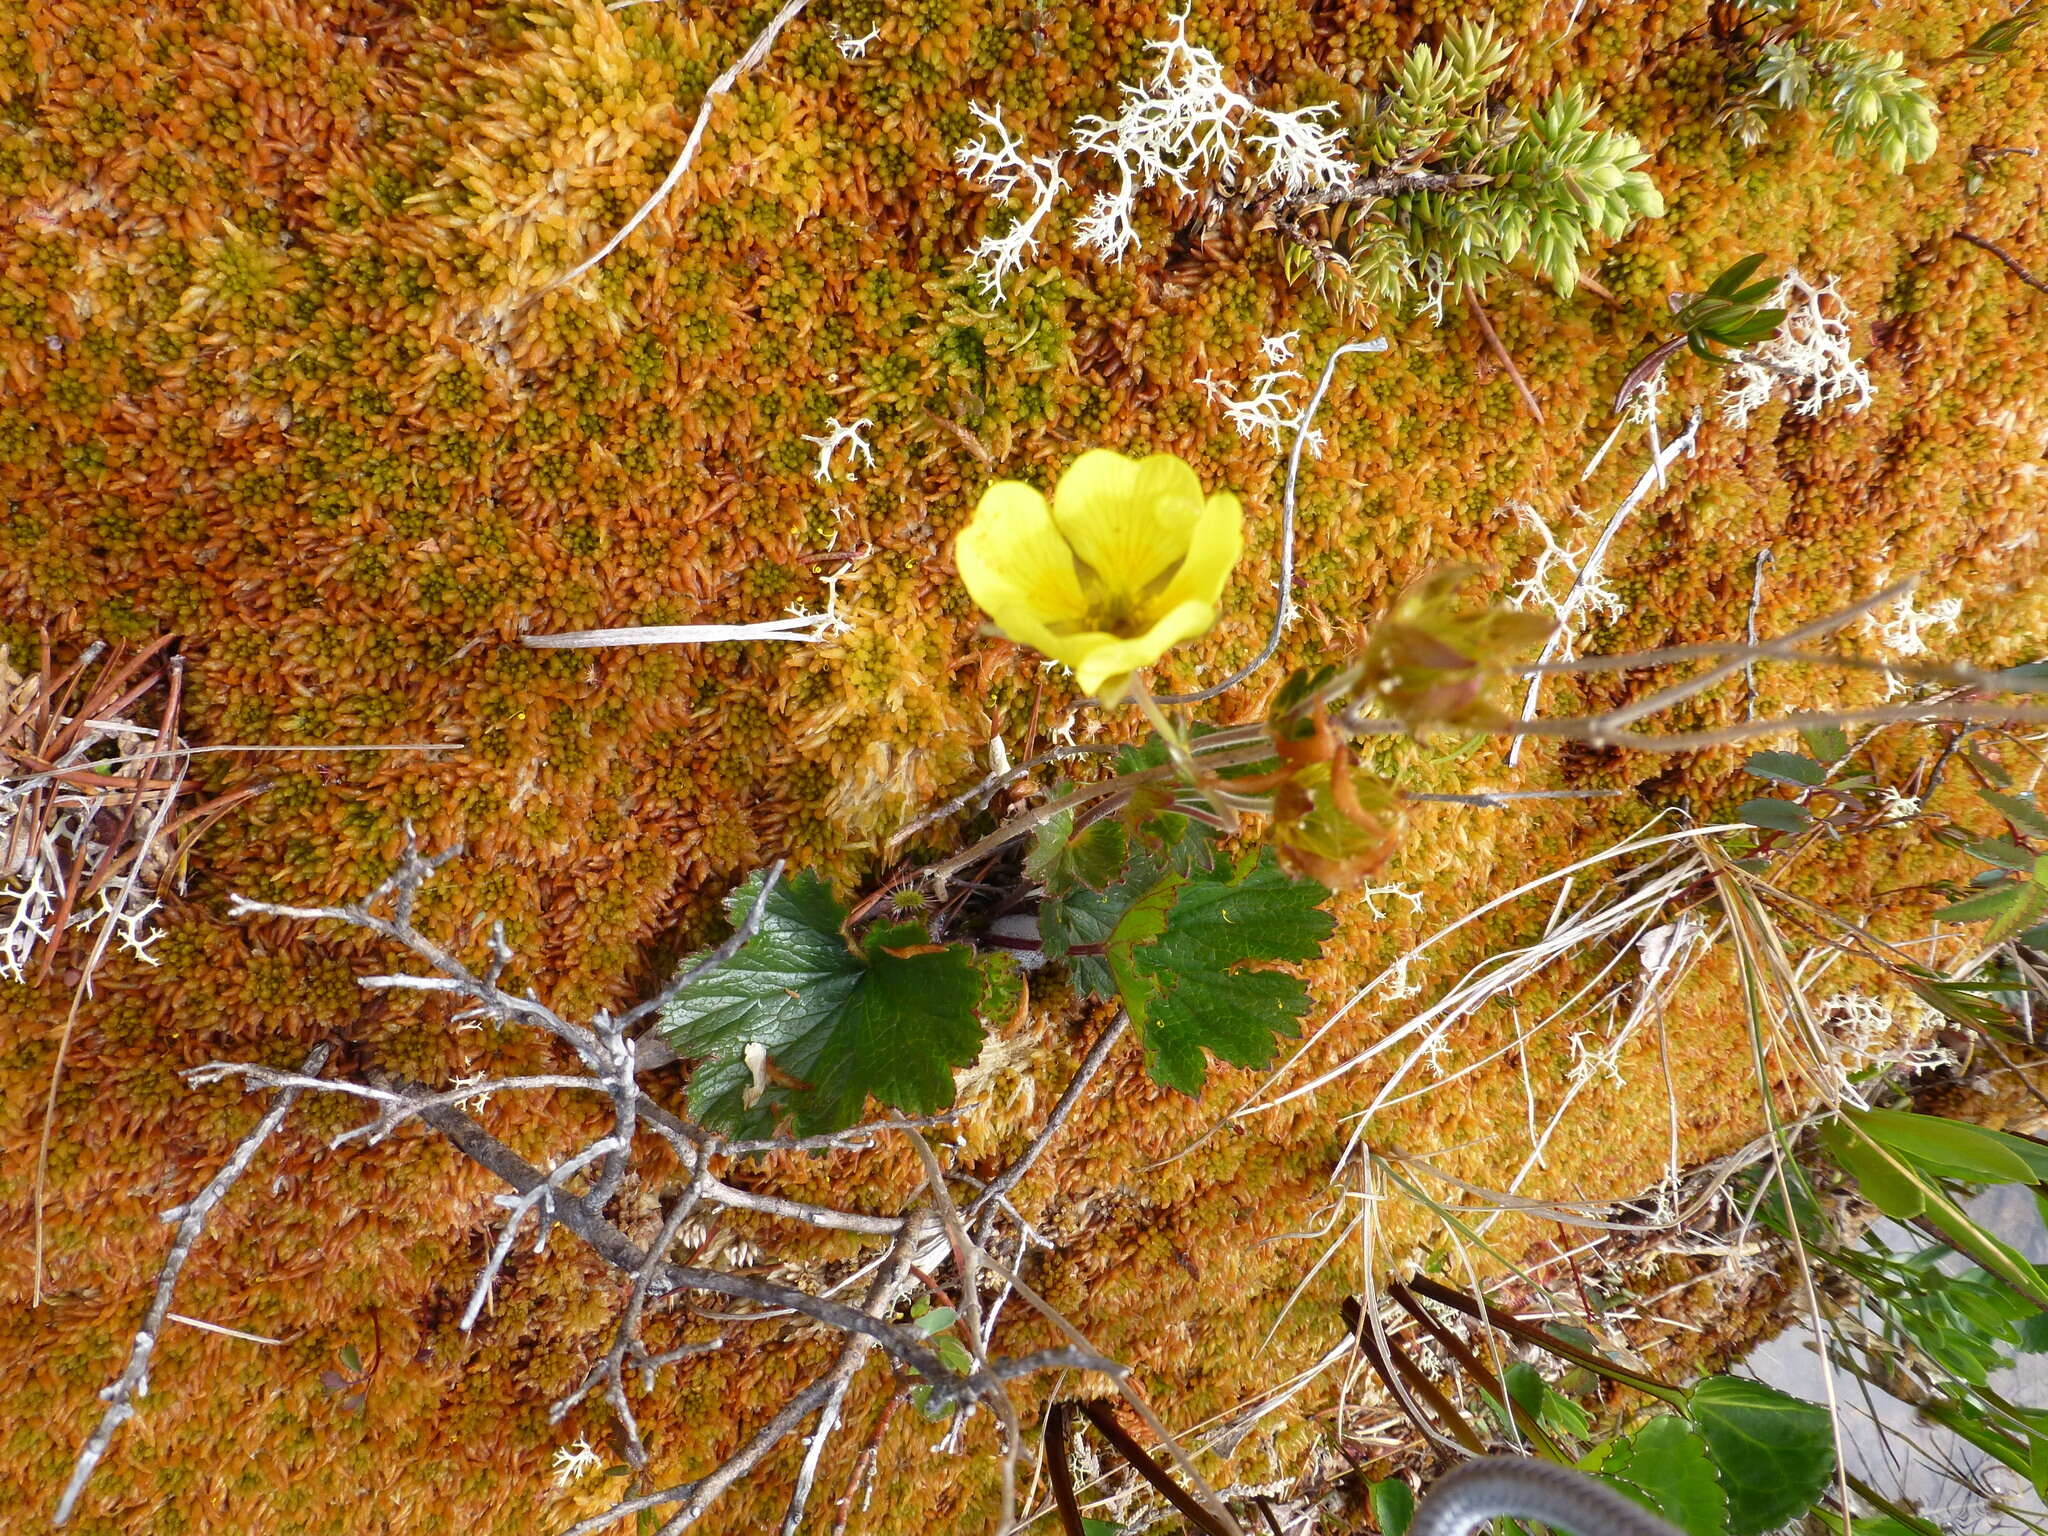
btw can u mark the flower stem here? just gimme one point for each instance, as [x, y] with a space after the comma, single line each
[1178, 752]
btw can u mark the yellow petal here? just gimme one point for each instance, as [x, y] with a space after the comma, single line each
[1213, 549]
[1129, 519]
[1017, 567]
[1103, 664]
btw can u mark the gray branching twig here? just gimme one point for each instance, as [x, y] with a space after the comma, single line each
[133, 1382]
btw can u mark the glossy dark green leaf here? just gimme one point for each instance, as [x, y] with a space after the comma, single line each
[1393, 1506]
[1664, 1466]
[1186, 959]
[1061, 860]
[890, 1021]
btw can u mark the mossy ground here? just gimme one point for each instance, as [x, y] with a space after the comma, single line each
[280, 378]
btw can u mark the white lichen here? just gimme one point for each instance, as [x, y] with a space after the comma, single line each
[575, 1462]
[850, 46]
[852, 437]
[1808, 360]
[997, 162]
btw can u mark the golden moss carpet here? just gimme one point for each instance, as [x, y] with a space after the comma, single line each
[280, 377]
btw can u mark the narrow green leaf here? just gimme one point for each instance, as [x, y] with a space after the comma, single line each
[1882, 1185]
[2027, 908]
[1975, 909]
[2003, 852]
[1773, 1452]
[351, 1359]
[1774, 815]
[838, 1027]
[1786, 768]
[1946, 1148]
[2022, 809]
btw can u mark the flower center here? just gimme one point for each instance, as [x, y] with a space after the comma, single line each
[1113, 607]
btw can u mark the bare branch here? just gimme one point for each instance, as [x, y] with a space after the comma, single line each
[543, 1194]
[133, 1382]
[1284, 608]
[756, 51]
[2011, 265]
[1084, 1074]
[711, 962]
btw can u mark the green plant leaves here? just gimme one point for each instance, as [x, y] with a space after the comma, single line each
[1664, 1466]
[2021, 810]
[1184, 959]
[1786, 768]
[1774, 815]
[1952, 1149]
[2012, 906]
[1774, 1452]
[1061, 861]
[1393, 1506]
[837, 1026]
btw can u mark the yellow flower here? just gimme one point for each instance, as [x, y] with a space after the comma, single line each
[1128, 560]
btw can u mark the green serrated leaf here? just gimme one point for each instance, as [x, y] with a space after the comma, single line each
[1773, 1453]
[1774, 815]
[2003, 852]
[1185, 961]
[1975, 909]
[2026, 910]
[890, 1022]
[1060, 861]
[2021, 810]
[1664, 1466]
[1786, 768]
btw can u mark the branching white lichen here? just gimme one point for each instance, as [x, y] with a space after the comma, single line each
[1903, 631]
[1268, 409]
[575, 1462]
[852, 437]
[1566, 581]
[1808, 361]
[997, 162]
[1303, 153]
[852, 47]
[1183, 122]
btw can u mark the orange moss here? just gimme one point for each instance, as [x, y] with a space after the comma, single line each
[281, 375]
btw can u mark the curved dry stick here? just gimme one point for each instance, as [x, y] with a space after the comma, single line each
[1285, 608]
[757, 51]
[133, 1382]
